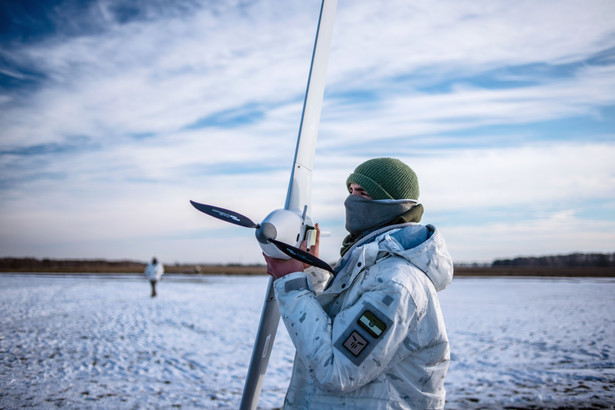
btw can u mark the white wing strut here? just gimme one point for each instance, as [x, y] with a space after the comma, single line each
[298, 198]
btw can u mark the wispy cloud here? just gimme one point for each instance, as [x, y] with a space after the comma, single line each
[114, 114]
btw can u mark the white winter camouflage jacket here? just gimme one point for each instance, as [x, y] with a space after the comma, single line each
[375, 338]
[154, 271]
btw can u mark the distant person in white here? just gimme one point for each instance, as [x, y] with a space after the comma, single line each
[154, 272]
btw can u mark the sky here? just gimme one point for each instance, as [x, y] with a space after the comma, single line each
[114, 114]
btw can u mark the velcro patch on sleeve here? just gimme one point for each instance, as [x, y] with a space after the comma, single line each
[363, 334]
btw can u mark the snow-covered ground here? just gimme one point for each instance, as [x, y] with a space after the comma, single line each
[102, 342]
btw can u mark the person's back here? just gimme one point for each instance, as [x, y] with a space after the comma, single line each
[153, 272]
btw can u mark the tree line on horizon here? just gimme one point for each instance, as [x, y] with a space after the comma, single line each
[571, 260]
[47, 264]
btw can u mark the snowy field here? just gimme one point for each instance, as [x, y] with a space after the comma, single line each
[102, 342]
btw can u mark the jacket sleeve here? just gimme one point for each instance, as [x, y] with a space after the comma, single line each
[342, 354]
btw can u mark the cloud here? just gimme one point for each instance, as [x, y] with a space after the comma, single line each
[559, 233]
[526, 176]
[445, 38]
[505, 110]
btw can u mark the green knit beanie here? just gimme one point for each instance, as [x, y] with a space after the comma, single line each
[386, 178]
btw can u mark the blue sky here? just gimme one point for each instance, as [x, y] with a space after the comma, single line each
[114, 114]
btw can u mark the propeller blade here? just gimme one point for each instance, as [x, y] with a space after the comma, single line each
[301, 255]
[225, 215]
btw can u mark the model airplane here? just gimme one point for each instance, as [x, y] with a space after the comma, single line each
[281, 233]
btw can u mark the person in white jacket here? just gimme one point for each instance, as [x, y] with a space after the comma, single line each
[154, 271]
[373, 336]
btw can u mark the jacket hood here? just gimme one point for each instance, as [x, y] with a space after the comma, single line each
[424, 247]
[421, 245]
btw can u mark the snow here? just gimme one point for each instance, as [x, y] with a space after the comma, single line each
[101, 342]
[524, 342]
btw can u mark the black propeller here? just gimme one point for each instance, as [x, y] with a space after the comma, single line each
[225, 215]
[241, 220]
[301, 255]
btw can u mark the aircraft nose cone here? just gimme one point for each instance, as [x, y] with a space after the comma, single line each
[265, 232]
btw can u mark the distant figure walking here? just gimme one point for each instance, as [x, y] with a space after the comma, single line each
[154, 272]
